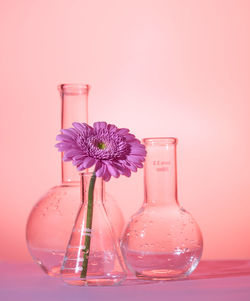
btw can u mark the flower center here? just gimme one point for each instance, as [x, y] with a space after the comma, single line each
[104, 146]
[101, 145]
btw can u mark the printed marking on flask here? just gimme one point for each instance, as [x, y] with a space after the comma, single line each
[87, 232]
[84, 231]
[161, 165]
[162, 169]
[75, 269]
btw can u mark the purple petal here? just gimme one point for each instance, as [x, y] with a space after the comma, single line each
[86, 163]
[134, 159]
[73, 153]
[65, 158]
[130, 137]
[136, 143]
[99, 169]
[80, 156]
[126, 172]
[103, 172]
[63, 146]
[131, 166]
[81, 127]
[98, 165]
[106, 175]
[112, 170]
[139, 165]
[112, 128]
[123, 131]
[63, 137]
[71, 132]
[137, 151]
[89, 162]
[118, 166]
[99, 125]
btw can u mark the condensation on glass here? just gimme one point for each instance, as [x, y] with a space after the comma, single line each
[51, 220]
[162, 240]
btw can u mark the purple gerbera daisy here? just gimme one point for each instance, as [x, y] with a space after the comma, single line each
[113, 151]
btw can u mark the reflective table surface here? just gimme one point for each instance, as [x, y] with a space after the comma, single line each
[212, 280]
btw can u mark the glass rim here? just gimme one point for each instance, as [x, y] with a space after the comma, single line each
[87, 173]
[72, 89]
[160, 140]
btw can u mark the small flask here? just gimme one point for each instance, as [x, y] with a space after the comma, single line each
[162, 240]
[51, 220]
[93, 256]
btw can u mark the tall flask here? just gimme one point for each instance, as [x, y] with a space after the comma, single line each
[51, 220]
[162, 240]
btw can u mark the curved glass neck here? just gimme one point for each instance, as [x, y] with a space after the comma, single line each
[99, 188]
[160, 171]
[74, 108]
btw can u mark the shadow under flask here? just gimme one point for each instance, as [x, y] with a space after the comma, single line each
[162, 240]
[51, 220]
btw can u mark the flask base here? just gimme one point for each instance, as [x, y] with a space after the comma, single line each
[93, 281]
[161, 275]
[55, 271]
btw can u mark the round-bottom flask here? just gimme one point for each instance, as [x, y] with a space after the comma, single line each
[51, 221]
[162, 240]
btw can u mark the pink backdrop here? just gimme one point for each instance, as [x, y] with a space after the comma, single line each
[159, 67]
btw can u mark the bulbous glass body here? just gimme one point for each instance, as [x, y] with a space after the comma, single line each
[162, 240]
[50, 224]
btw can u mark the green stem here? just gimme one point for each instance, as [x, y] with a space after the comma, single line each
[86, 250]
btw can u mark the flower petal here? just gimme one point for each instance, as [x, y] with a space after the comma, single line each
[71, 132]
[99, 125]
[63, 137]
[73, 152]
[138, 151]
[99, 168]
[111, 128]
[126, 171]
[81, 127]
[106, 175]
[113, 151]
[63, 146]
[86, 163]
[123, 131]
[134, 159]
[112, 170]
[65, 158]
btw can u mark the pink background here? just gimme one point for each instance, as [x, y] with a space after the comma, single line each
[160, 67]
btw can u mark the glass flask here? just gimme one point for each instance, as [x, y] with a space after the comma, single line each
[51, 220]
[162, 240]
[93, 257]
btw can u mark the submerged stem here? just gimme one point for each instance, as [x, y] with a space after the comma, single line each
[86, 250]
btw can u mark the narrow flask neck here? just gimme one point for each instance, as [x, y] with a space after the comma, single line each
[160, 171]
[98, 188]
[74, 108]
